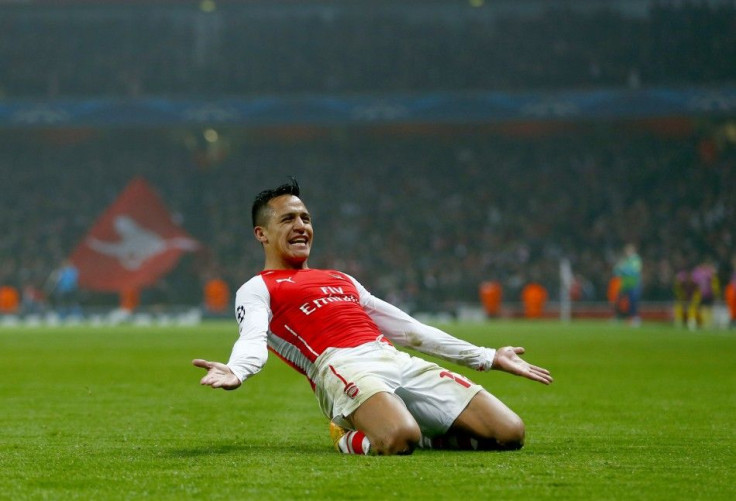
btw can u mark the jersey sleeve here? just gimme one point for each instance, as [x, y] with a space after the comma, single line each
[404, 330]
[253, 312]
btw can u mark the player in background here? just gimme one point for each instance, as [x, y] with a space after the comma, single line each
[705, 278]
[628, 270]
[686, 299]
[730, 295]
[327, 326]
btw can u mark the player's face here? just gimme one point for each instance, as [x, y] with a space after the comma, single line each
[287, 236]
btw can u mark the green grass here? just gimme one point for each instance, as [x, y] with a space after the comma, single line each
[117, 413]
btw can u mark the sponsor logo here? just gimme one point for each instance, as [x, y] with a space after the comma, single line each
[550, 109]
[712, 101]
[332, 295]
[211, 112]
[41, 114]
[379, 111]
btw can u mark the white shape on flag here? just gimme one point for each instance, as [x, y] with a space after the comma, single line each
[137, 244]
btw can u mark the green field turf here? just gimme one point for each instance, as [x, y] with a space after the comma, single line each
[117, 413]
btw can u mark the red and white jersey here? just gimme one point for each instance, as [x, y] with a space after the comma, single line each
[298, 314]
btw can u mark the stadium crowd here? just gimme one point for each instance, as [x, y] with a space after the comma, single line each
[318, 47]
[419, 218]
[431, 214]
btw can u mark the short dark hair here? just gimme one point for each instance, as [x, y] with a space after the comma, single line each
[260, 204]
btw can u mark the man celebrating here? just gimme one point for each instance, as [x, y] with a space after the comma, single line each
[327, 326]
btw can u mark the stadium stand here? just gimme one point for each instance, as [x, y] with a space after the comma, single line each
[421, 215]
[413, 215]
[245, 48]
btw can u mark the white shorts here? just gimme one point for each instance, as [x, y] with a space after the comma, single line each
[346, 377]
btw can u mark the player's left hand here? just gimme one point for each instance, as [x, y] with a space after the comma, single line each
[218, 375]
[507, 359]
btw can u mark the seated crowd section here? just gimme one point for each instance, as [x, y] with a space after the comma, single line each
[421, 215]
[422, 218]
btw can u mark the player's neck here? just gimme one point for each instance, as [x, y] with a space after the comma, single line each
[285, 265]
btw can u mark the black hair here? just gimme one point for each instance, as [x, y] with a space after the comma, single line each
[260, 203]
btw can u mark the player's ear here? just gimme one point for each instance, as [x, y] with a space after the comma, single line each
[260, 234]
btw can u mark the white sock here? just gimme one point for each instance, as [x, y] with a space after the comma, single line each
[354, 442]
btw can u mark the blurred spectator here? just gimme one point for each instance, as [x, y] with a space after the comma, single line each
[63, 288]
[613, 294]
[534, 296]
[217, 297]
[491, 294]
[129, 300]
[9, 300]
[33, 299]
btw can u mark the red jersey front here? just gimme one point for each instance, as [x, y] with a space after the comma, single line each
[317, 309]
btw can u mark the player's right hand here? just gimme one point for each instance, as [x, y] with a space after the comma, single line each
[218, 375]
[507, 359]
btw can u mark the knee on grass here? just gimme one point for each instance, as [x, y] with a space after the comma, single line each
[510, 436]
[400, 441]
[506, 436]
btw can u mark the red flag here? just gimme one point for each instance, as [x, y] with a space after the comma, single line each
[132, 244]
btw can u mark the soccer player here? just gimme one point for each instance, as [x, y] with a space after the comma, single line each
[705, 277]
[686, 300]
[327, 326]
[628, 270]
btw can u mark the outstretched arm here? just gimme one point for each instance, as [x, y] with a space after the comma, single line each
[250, 351]
[507, 359]
[405, 330]
[218, 375]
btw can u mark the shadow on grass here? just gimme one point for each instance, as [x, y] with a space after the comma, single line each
[248, 448]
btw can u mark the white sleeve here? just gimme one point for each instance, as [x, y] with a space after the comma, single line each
[253, 313]
[404, 330]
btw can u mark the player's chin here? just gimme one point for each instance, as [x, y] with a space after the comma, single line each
[299, 256]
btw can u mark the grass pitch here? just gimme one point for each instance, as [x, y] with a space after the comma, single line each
[117, 413]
